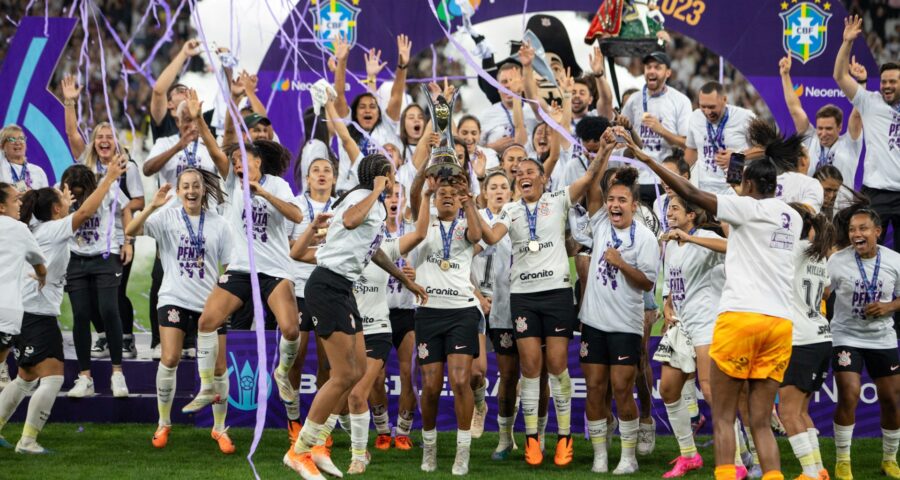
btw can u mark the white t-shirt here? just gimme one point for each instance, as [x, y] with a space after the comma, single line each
[548, 268]
[398, 295]
[494, 282]
[759, 274]
[610, 303]
[482, 264]
[302, 270]
[270, 228]
[450, 288]
[384, 132]
[187, 283]
[180, 161]
[797, 187]
[9, 172]
[370, 292]
[19, 248]
[672, 108]
[497, 122]
[850, 325]
[132, 178]
[881, 127]
[693, 280]
[90, 238]
[347, 252]
[844, 154]
[575, 166]
[53, 238]
[711, 178]
[810, 281]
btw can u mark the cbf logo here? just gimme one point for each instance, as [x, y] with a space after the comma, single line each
[335, 19]
[805, 29]
[245, 396]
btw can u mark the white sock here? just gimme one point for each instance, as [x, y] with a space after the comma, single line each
[463, 438]
[293, 411]
[309, 436]
[542, 429]
[843, 436]
[889, 441]
[12, 396]
[220, 408]
[42, 402]
[207, 352]
[561, 391]
[689, 397]
[752, 447]
[380, 418]
[504, 429]
[345, 421]
[359, 434]
[404, 422]
[530, 394]
[628, 430]
[479, 394]
[681, 427]
[597, 432]
[429, 437]
[813, 435]
[803, 452]
[288, 353]
[327, 428]
[165, 392]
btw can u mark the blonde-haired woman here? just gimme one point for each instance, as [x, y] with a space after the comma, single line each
[14, 166]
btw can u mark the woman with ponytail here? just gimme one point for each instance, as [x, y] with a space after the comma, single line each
[193, 242]
[39, 344]
[789, 156]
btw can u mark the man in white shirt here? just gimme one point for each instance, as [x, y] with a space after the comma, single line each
[880, 114]
[497, 126]
[715, 130]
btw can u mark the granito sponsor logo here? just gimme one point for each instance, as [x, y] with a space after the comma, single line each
[536, 275]
[442, 291]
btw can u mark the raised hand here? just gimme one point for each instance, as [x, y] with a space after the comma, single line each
[449, 89]
[566, 82]
[191, 48]
[858, 71]
[248, 81]
[852, 27]
[784, 66]
[162, 196]
[374, 63]
[526, 54]
[194, 105]
[117, 166]
[381, 183]
[70, 89]
[403, 48]
[341, 48]
[556, 112]
[66, 199]
[596, 60]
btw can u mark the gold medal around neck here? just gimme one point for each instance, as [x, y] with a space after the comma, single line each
[534, 246]
[445, 265]
[200, 262]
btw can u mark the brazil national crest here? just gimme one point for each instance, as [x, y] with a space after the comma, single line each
[335, 19]
[805, 29]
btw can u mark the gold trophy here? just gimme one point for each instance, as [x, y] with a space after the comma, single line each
[443, 163]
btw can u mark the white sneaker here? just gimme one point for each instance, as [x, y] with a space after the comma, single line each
[285, 390]
[100, 349]
[626, 466]
[429, 457]
[601, 463]
[478, 420]
[646, 438]
[156, 352]
[84, 387]
[129, 348]
[31, 448]
[119, 388]
[4, 376]
[461, 463]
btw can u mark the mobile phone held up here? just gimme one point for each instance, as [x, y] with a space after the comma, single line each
[735, 174]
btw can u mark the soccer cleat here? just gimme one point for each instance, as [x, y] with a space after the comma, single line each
[224, 441]
[842, 471]
[461, 462]
[119, 387]
[646, 438]
[740, 472]
[501, 454]
[156, 352]
[321, 456]
[31, 448]
[357, 467]
[478, 420]
[429, 457]
[303, 464]
[403, 442]
[293, 428]
[329, 442]
[803, 476]
[285, 390]
[684, 465]
[697, 423]
[4, 375]
[4, 443]
[203, 399]
[533, 454]
[84, 387]
[626, 466]
[823, 475]
[100, 348]
[161, 437]
[890, 469]
[383, 441]
[601, 463]
[129, 349]
[564, 451]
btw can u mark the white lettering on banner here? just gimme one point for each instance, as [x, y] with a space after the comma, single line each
[867, 392]
[822, 92]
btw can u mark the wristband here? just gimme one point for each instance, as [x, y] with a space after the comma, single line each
[69, 103]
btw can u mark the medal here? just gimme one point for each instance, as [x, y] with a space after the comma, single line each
[870, 286]
[321, 232]
[446, 238]
[22, 183]
[534, 246]
[531, 216]
[196, 240]
[445, 265]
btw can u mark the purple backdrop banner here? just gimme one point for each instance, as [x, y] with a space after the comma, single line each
[242, 369]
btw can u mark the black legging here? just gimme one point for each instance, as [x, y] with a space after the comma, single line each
[156, 277]
[126, 309]
[93, 302]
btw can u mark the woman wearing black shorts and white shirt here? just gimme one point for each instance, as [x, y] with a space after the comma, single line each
[272, 208]
[353, 238]
[193, 241]
[541, 301]
[865, 277]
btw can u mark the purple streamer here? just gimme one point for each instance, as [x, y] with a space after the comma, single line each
[433, 64]
[123, 47]
[721, 69]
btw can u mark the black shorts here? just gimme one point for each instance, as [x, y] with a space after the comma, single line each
[808, 367]
[238, 284]
[543, 314]
[306, 323]
[879, 363]
[331, 304]
[242, 319]
[378, 346]
[403, 321]
[609, 348]
[504, 341]
[181, 318]
[40, 339]
[446, 331]
[84, 272]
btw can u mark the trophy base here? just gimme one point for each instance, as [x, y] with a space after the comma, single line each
[628, 47]
[443, 170]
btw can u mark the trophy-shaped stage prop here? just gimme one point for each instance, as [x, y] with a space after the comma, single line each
[443, 163]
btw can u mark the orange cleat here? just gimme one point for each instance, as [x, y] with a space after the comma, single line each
[224, 441]
[383, 441]
[161, 437]
[564, 451]
[533, 454]
[293, 428]
[303, 464]
[403, 442]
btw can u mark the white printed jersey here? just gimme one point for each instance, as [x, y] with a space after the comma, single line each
[385, 132]
[370, 292]
[347, 252]
[190, 272]
[53, 238]
[548, 268]
[672, 108]
[450, 288]
[194, 155]
[611, 304]
[9, 172]
[711, 178]
[482, 264]
[810, 281]
[850, 326]
[270, 228]
[797, 187]
[91, 237]
[759, 274]
[20, 251]
[881, 127]
[693, 281]
[844, 154]
[501, 262]
[398, 295]
[497, 122]
[302, 270]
